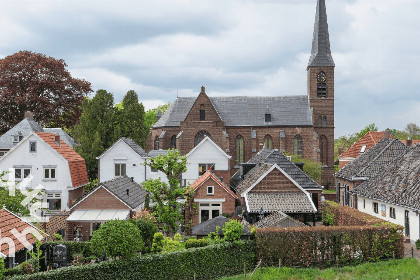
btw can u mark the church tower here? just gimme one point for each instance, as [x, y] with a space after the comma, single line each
[321, 92]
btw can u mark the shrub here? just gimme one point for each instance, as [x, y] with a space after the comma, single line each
[347, 216]
[158, 242]
[117, 238]
[418, 244]
[232, 230]
[195, 243]
[2, 269]
[147, 229]
[327, 216]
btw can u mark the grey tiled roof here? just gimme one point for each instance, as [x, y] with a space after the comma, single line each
[278, 219]
[63, 135]
[252, 176]
[155, 153]
[119, 186]
[23, 128]
[286, 202]
[133, 145]
[208, 226]
[373, 160]
[398, 183]
[321, 52]
[285, 111]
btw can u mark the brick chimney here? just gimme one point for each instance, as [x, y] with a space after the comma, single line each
[387, 134]
[203, 89]
[57, 139]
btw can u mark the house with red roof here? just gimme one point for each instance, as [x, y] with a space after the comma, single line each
[45, 159]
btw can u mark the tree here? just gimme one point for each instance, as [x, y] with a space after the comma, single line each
[165, 195]
[117, 238]
[311, 168]
[34, 82]
[413, 130]
[150, 117]
[147, 230]
[12, 203]
[232, 230]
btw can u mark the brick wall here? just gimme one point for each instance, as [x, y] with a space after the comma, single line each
[100, 199]
[275, 182]
[55, 223]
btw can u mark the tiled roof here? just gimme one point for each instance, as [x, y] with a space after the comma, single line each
[410, 142]
[398, 183]
[369, 140]
[8, 222]
[63, 135]
[278, 219]
[208, 226]
[207, 176]
[298, 202]
[133, 145]
[252, 176]
[77, 164]
[23, 128]
[374, 160]
[155, 153]
[284, 110]
[119, 186]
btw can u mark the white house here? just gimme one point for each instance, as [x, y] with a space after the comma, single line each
[126, 158]
[52, 163]
[393, 194]
[207, 155]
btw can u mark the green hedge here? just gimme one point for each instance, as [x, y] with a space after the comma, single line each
[347, 216]
[323, 246]
[211, 262]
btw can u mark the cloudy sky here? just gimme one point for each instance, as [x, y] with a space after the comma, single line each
[162, 49]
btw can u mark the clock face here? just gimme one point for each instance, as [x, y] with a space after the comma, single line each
[322, 77]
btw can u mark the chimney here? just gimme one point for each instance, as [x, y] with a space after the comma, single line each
[387, 134]
[29, 115]
[57, 139]
[128, 191]
[203, 89]
[409, 142]
[132, 179]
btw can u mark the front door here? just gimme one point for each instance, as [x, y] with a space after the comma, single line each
[407, 223]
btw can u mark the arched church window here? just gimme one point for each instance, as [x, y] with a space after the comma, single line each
[202, 113]
[200, 136]
[239, 150]
[156, 143]
[268, 142]
[298, 145]
[173, 142]
[324, 121]
[323, 148]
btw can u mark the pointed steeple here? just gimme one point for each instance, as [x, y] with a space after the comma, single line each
[321, 52]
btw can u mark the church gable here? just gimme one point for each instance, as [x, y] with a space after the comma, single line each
[275, 182]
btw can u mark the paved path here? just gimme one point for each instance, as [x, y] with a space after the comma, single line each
[408, 252]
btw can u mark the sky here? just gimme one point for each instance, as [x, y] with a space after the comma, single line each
[165, 49]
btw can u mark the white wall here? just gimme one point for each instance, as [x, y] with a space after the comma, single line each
[207, 152]
[399, 215]
[45, 155]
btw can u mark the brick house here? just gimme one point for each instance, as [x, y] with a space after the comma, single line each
[113, 199]
[364, 167]
[212, 199]
[243, 125]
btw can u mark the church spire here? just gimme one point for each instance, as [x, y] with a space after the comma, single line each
[321, 52]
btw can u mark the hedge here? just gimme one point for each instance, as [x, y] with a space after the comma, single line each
[211, 262]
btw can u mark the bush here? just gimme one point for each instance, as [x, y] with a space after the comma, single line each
[147, 230]
[418, 244]
[158, 242]
[2, 269]
[117, 238]
[195, 243]
[232, 230]
[211, 262]
[347, 216]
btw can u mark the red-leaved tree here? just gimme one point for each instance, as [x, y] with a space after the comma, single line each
[40, 84]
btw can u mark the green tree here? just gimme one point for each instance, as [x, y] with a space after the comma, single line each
[95, 130]
[147, 230]
[117, 238]
[150, 117]
[232, 230]
[165, 195]
[311, 168]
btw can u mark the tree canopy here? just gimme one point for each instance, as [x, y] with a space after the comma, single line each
[34, 82]
[150, 118]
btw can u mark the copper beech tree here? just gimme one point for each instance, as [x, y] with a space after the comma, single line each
[34, 82]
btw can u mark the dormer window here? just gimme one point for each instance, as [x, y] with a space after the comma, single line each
[267, 118]
[202, 113]
[17, 138]
[363, 149]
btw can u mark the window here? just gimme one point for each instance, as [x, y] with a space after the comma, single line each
[239, 149]
[95, 227]
[323, 148]
[32, 146]
[203, 167]
[320, 121]
[268, 142]
[383, 210]
[298, 145]
[17, 138]
[267, 117]
[120, 169]
[209, 211]
[364, 203]
[200, 136]
[49, 173]
[156, 143]
[54, 201]
[363, 149]
[322, 90]
[21, 173]
[375, 207]
[324, 121]
[173, 142]
[392, 212]
[210, 190]
[202, 113]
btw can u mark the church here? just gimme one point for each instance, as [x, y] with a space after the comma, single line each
[243, 125]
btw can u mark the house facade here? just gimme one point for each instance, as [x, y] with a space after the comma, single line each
[393, 194]
[241, 126]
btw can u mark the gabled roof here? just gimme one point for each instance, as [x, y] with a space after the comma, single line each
[398, 183]
[209, 175]
[63, 135]
[77, 164]
[368, 140]
[207, 139]
[374, 160]
[118, 187]
[278, 219]
[129, 142]
[8, 222]
[204, 228]
[23, 128]
[285, 111]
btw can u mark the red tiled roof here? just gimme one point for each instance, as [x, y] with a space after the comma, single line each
[369, 139]
[8, 222]
[208, 175]
[412, 142]
[77, 164]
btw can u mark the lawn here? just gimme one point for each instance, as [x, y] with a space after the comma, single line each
[408, 269]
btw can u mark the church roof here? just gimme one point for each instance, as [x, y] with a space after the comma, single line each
[284, 110]
[321, 52]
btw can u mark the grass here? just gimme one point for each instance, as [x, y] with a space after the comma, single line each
[329, 191]
[408, 269]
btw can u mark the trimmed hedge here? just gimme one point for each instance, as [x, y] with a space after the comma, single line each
[324, 246]
[211, 262]
[347, 216]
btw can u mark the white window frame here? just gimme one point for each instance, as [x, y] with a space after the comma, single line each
[30, 146]
[119, 164]
[54, 196]
[212, 190]
[392, 213]
[375, 209]
[210, 206]
[22, 172]
[206, 166]
[50, 168]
